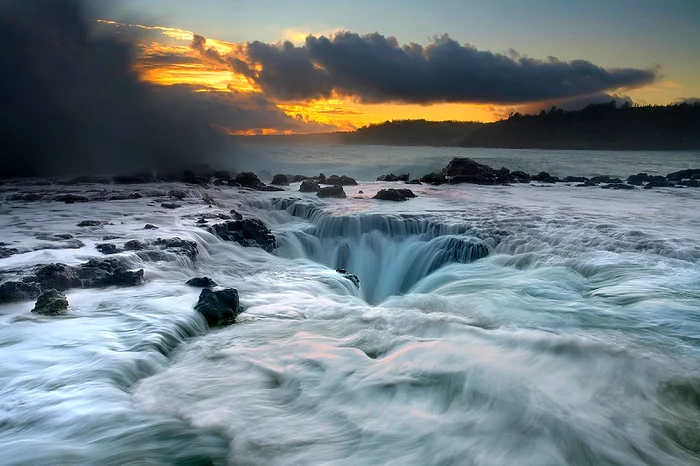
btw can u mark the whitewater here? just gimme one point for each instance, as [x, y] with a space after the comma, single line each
[494, 325]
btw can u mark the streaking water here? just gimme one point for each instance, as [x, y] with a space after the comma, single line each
[493, 325]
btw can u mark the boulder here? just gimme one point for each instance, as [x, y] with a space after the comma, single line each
[219, 306]
[108, 248]
[249, 180]
[683, 174]
[332, 191]
[466, 170]
[11, 292]
[234, 184]
[393, 194]
[544, 177]
[352, 277]
[203, 282]
[133, 245]
[178, 246]
[51, 303]
[96, 273]
[150, 226]
[298, 178]
[389, 177]
[309, 186]
[638, 179]
[434, 179]
[619, 186]
[6, 252]
[250, 232]
[280, 180]
[343, 180]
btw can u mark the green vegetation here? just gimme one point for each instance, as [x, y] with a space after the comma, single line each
[413, 133]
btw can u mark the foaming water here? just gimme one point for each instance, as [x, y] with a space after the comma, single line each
[492, 325]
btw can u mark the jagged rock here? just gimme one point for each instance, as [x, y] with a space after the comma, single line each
[413, 182]
[466, 170]
[393, 194]
[133, 245]
[13, 291]
[250, 232]
[520, 176]
[352, 277]
[336, 180]
[544, 177]
[139, 178]
[219, 306]
[271, 189]
[332, 191]
[575, 179]
[434, 179]
[95, 273]
[309, 186]
[280, 180]
[179, 246]
[170, 205]
[51, 303]
[249, 180]
[236, 215]
[203, 282]
[150, 226]
[683, 174]
[392, 177]
[108, 248]
[177, 194]
[91, 223]
[321, 178]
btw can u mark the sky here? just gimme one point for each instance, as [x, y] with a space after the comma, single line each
[371, 61]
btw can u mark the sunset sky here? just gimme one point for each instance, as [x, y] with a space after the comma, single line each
[371, 61]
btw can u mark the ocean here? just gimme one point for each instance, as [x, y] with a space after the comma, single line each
[494, 325]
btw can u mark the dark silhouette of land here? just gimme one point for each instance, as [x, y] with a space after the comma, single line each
[604, 126]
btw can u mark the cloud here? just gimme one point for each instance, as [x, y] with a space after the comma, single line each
[576, 103]
[688, 100]
[377, 69]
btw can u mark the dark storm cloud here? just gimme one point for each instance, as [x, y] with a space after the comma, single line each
[377, 69]
[71, 102]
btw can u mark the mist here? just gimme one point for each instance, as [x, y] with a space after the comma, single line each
[73, 104]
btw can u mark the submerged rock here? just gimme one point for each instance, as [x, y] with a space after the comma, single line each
[332, 191]
[179, 246]
[352, 277]
[91, 223]
[309, 186]
[203, 282]
[249, 180]
[170, 205]
[219, 306]
[177, 194]
[51, 303]
[393, 194]
[133, 245]
[235, 215]
[250, 232]
[271, 189]
[150, 226]
[108, 248]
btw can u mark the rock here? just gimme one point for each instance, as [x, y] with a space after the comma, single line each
[108, 248]
[353, 278]
[321, 178]
[544, 177]
[234, 184]
[150, 226]
[11, 292]
[683, 174]
[91, 223]
[139, 178]
[202, 221]
[360, 192]
[222, 175]
[71, 198]
[95, 273]
[520, 176]
[396, 195]
[204, 282]
[605, 179]
[389, 177]
[179, 246]
[638, 179]
[413, 182]
[280, 180]
[109, 238]
[340, 181]
[575, 179]
[57, 276]
[249, 180]
[236, 215]
[177, 194]
[250, 232]
[51, 303]
[434, 179]
[332, 191]
[654, 183]
[298, 178]
[309, 186]
[6, 252]
[619, 186]
[219, 306]
[271, 189]
[466, 170]
[170, 205]
[133, 245]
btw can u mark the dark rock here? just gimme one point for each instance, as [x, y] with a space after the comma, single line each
[139, 178]
[109, 238]
[98, 273]
[51, 303]
[465, 170]
[605, 179]
[360, 192]
[222, 175]
[91, 223]
[520, 176]
[309, 186]
[392, 194]
[353, 278]
[11, 292]
[655, 183]
[63, 236]
[620, 186]
[298, 178]
[57, 276]
[340, 181]
[28, 197]
[280, 180]
[179, 246]
[389, 177]
[332, 191]
[234, 184]
[71, 198]
[219, 306]
[236, 215]
[218, 183]
[189, 177]
[544, 177]
[683, 174]
[6, 252]
[202, 221]
[249, 180]
[133, 245]
[575, 179]
[177, 194]
[150, 226]
[152, 255]
[273, 189]
[413, 182]
[250, 232]
[690, 183]
[170, 205]
[321, 178]
[695, 177]
[108, 248]
[134, 196]
[638, 179]
[434, 179]
[203, 282]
